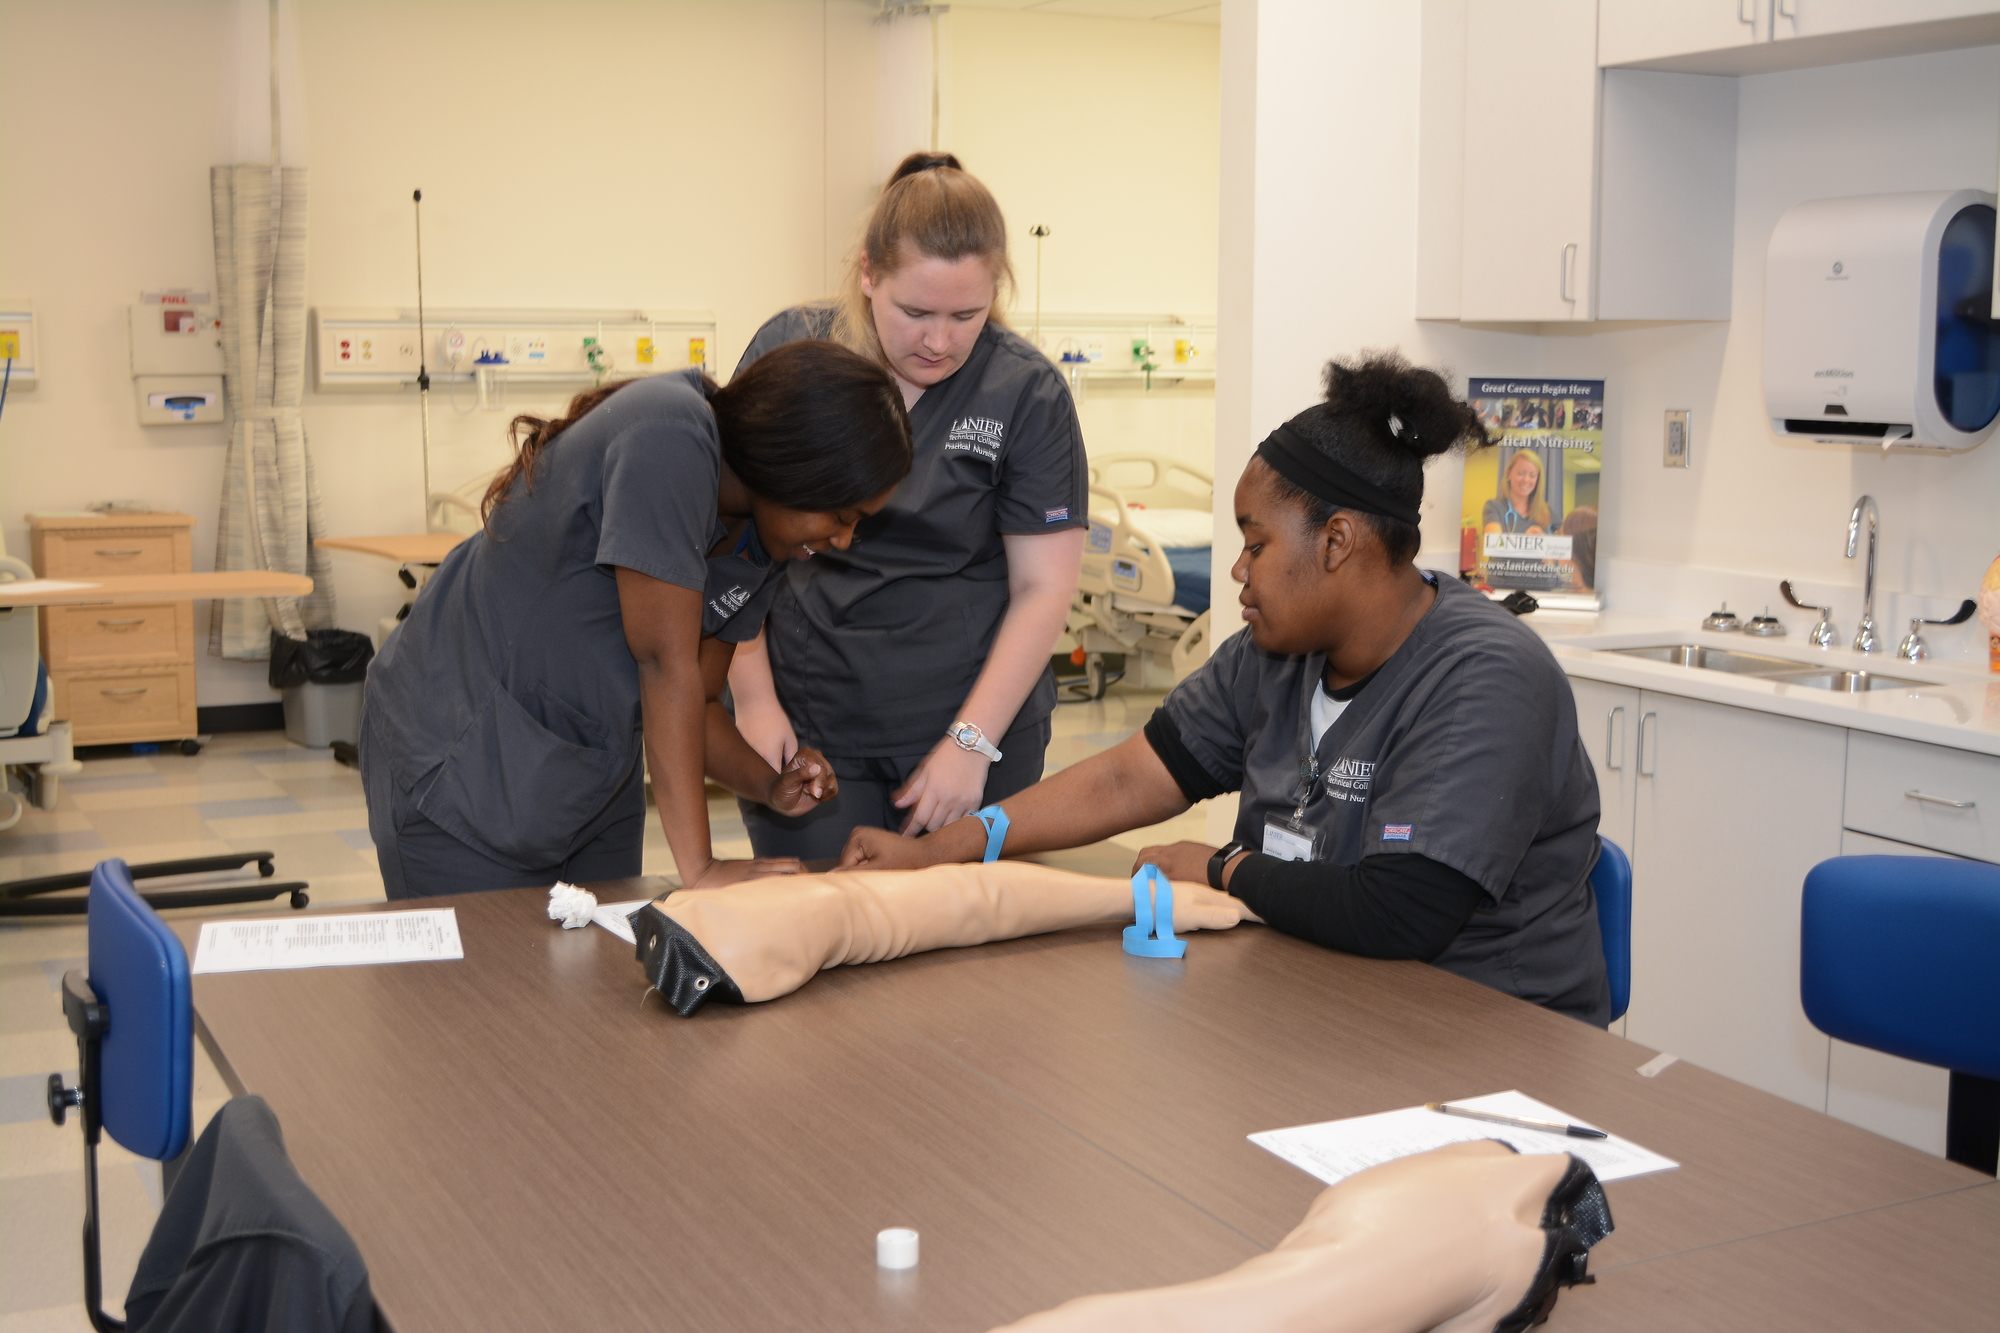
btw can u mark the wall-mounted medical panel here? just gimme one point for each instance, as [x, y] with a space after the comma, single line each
[381, 348]
[1150, 349]
[19, 343]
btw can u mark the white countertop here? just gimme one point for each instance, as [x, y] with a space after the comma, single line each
[1956, 705]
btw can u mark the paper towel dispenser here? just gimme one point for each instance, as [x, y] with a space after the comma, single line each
[1878, 321]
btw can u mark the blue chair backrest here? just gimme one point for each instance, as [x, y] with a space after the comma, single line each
[1611, 884]
[140, 973]
[1896, 953]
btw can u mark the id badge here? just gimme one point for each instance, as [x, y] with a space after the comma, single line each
[1288, 839]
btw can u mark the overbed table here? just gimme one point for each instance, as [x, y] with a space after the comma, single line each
[525, 1140]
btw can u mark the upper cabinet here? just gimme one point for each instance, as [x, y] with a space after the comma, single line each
[1551, 192]
[1758, 36]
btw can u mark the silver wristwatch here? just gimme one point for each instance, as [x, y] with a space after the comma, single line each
[968, 736]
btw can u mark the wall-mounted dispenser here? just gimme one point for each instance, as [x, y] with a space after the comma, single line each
[177, 363]
[1879, 322]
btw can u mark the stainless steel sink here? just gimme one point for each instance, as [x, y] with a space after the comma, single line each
[1711, 659]
[1846, 682]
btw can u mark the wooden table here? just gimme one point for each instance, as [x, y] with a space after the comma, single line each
[404, 548]
[138, 589]
[524, 1140]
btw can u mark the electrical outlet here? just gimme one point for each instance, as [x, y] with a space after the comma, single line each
[1679, 443]
[10, 344]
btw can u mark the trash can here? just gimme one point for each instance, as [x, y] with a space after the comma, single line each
[321, 678]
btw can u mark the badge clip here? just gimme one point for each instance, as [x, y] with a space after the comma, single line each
[1152, 933]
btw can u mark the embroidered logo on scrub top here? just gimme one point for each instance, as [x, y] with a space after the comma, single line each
[1397, 832]
[979, 436]
[1349, 779]
[729, 603]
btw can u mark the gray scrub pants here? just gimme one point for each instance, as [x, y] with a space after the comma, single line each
[867, 786]
[420, 860]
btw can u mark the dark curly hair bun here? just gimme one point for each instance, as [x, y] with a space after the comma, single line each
[1406, 407]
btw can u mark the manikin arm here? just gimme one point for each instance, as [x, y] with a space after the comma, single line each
[767, 938]
[1468, 1236]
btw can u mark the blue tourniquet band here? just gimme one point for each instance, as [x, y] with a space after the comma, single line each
[995, 820]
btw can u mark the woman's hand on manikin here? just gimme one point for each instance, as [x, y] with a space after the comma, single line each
[950, 784]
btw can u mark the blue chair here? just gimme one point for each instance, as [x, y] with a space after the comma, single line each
[135, 1076]
[1611, 885]
[1896, 953]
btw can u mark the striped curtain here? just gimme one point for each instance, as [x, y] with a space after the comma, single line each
[270, 502]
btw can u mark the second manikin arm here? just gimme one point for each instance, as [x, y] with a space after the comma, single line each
[767, 938]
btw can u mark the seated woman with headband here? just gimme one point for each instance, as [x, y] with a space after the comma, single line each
[1413, 785]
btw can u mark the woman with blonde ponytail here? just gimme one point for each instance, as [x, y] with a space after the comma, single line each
[918, 660]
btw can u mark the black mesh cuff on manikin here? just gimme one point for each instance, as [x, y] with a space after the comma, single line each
[679, 968]
[1181, 765]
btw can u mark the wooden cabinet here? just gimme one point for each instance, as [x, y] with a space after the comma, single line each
[1759, 36]
[1551, 192]
[122, 673]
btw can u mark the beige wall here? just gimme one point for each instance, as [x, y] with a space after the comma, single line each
[1106, 131]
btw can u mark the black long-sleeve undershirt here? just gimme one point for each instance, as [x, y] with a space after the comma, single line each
[1398, 905]
[1394, 905]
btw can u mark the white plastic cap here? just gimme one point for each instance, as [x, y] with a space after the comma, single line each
[896, 1248]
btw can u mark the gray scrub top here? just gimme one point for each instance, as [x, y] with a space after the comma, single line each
[508, 699]
[874, 650]
[1462, 748]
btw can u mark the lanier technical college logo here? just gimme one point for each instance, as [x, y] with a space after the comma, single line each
[980, 436]
[729, 603]
[1350, 779]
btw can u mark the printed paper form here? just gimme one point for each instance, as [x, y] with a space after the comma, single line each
[1337, 1149]
[328, 941]
[613, 917]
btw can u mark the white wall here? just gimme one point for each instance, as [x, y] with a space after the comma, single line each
[1319, 235]
[1107, 132]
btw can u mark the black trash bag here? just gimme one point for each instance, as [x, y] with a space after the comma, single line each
[323, 657]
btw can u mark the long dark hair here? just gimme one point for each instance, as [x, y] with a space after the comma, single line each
[808, 425]
[1382, 419]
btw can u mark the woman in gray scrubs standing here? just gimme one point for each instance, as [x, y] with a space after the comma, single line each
[1413, 785]
[633, 543]
[918, 661]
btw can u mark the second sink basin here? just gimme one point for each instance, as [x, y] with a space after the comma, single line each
[1845, 682]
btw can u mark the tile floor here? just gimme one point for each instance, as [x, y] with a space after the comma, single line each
[251, 791]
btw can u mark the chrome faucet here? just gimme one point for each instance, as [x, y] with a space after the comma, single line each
[1864, 637]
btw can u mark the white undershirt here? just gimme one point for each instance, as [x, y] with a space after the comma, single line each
[1326, 710]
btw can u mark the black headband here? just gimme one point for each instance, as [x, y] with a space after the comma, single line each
[1294, 458]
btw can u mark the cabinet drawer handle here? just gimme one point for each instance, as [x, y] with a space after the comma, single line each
[1611, 738]
[1746, 12]
[120, 552]
[1568, 251]
[127, 693]
[1645, 772]
[126, 622]
[1944, 801]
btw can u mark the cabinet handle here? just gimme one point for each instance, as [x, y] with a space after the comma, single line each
[1645, 772]
[1611, 737]
[1944, 801]
[1746, 12]
[1788, 9]
[125, 623]
[1568, 251]
[125, 693]
[119, 553]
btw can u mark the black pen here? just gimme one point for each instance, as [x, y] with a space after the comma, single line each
[1546, 1126]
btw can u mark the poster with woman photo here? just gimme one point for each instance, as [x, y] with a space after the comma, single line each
[1529, 517]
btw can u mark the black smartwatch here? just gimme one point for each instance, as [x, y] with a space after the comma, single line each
[1218, 861]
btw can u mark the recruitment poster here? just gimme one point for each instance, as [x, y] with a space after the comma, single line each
[1531, 502]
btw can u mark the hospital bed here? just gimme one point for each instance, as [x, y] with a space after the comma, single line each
[1144, 588]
